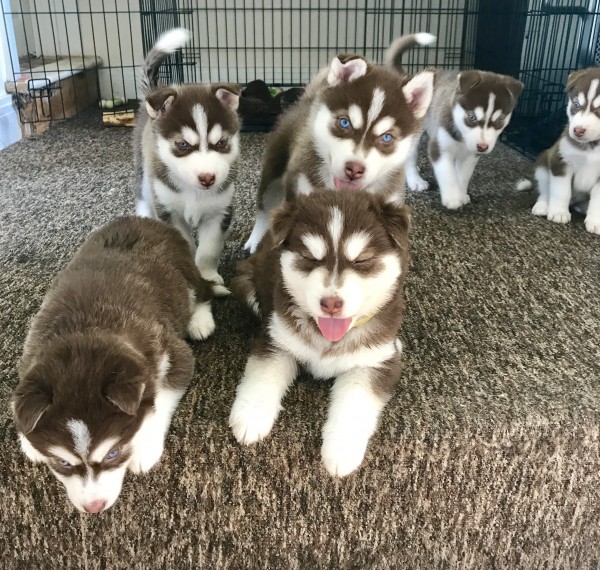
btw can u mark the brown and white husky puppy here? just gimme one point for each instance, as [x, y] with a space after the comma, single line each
[352, 129]
[569, 171]
[105, 362]
[469, 111]
[186, 149]
[327, 281]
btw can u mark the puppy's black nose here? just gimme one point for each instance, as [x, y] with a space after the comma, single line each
[206, 179]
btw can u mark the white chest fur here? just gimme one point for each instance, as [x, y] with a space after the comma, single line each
[585, 165]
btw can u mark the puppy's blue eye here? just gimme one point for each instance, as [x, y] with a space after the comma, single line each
[387, 137]
[472, 118]
[183, 145]
[112, 454]
[345, 123]
[576, 104]
[64, 463]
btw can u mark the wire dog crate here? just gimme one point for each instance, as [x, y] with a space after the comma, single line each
[67, 55]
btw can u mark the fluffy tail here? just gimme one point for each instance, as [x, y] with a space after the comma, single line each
[523, 184]
[394, 53]
[168, 43]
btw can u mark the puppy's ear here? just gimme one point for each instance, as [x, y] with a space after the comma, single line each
[574, 78]
[514, 86]
[31, 398]
[346, 68]
[419, 92]
[467, 80]
[228, 95]
[282, 221]
[125, 385]
[396, 220]
[159, 101]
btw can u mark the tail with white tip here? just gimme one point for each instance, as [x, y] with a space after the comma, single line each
[393, 56]
[523, 184]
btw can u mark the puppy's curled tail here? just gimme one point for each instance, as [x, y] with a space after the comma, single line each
[393, 55]
[166, 44]
[243, 285]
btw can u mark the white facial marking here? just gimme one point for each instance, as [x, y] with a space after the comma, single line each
[190, 135]
[64, 454]
[596, 102]
[376, 105]
[315, 244]
[100, 451]
[383, 125]
[581, 99]
[496, 114]
[199, 115]
[355, 115]
[355, 245]
[215, 134]
[592, 92]
[490, 107]
[479, 113]
[81, 436]
[335, 226]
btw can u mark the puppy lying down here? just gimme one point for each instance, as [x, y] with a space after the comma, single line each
[327, 281]
[105, 364]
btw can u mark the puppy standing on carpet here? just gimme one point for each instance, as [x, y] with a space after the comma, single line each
[468, 112]
[186, 148]
[352, 129]
[569, 171]
[105, 364]
[327, 281]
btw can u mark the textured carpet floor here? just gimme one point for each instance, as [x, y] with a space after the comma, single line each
[487, 457]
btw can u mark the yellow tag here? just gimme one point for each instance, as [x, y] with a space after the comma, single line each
[362, 321]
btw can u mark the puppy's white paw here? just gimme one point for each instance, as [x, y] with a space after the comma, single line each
[559, 216]
[252, 420]
[416, 183]
[455, 200]
[146, 456]
[220, 291]
[202, 323]
[342, 453]
[211, 275]
[592, 225]
[540, 208]
[251, 244]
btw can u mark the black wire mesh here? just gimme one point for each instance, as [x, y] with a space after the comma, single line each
[100, 44]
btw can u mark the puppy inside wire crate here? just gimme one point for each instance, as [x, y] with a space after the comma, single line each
[67, 56]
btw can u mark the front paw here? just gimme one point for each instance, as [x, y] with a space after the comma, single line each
[342, 453]
[592, 225]
[455, 200]
[211, 275]
[416, 183]
[146, 456]
[252, 420]
[540, 208]
[559, 216]
[202, 323]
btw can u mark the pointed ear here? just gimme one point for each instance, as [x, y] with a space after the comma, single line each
[228, 95]
[419, 92]
[31, 398]
[344, 69]
[574, 77]
[282, 222]
[514, 86]
[159, 101]
[467, 80]
[396, 220]
[125, 386]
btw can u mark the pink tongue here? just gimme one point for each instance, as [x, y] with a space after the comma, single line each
[333, 329]
[344, 184]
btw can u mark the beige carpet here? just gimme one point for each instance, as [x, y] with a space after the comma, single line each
[487, 457]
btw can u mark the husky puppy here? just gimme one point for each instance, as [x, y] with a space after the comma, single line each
[352, 129]
[327, 281]
[105, 364]
[569, 171]
[468, 112]
[186, 148]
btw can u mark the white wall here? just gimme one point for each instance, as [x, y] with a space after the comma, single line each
[10, 130]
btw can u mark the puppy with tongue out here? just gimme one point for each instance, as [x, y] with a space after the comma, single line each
[327, 282]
